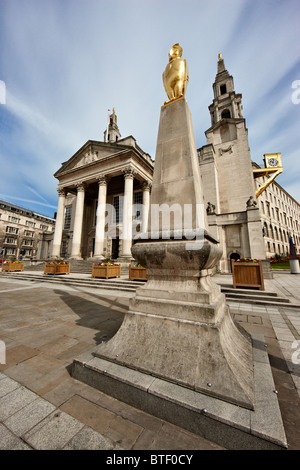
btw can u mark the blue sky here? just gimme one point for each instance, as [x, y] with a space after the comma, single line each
[64, 63]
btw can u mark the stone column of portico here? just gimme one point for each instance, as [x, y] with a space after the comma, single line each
[127, 215]
[59, 223]
[77, 232]
[100, 219]
[146, 205]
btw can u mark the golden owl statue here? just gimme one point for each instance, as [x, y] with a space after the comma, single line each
[175, 76]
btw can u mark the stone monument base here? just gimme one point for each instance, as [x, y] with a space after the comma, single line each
[179, 328]
[226, 424]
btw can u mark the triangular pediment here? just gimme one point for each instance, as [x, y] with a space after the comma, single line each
[90, 152]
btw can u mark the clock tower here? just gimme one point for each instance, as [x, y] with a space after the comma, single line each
[226, 169]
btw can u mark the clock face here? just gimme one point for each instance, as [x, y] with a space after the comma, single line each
[273, 162]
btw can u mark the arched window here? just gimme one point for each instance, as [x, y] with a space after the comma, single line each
[225, 114]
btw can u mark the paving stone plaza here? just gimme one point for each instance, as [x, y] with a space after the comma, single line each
[45, 325]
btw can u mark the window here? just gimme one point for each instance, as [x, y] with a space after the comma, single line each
[27, 242]
[223, 89]
[12, 230]
[138, 205]
[16, 220]
[225, 114]
[29, 223]
[10, 251]
[64, 247]
[68, 215]
[118, 206]
[10, 240]
[44, 227]
[28, 233]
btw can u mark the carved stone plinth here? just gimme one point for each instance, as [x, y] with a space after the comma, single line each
[179, 327]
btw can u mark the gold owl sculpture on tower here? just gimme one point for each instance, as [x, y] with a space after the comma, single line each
[176, 75]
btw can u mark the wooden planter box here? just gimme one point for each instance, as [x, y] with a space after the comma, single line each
[57, 268]
[247, 274]
[106, 271]
[137, 273]
[13, 266]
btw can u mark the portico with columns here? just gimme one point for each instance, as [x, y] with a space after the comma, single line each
[103, 198]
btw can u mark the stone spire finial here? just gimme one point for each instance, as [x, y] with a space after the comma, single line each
[112, 133]
[221, 65]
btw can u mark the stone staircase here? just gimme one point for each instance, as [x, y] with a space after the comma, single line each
[254, 296]
[115, 284]
[76, 266]
[81, 266]
[123, 284]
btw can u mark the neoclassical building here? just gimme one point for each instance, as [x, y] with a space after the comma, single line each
[21, 232]
[104, 191]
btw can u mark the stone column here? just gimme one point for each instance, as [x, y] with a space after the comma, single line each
[100, 218]
[59, 223]
[146, 205]
[77, 232]
[127, 214]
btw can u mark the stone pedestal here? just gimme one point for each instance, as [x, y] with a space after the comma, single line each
[179, 328]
